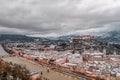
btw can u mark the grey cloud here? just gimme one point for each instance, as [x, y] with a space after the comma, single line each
[57, 17]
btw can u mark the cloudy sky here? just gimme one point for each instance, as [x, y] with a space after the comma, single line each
[58, 17]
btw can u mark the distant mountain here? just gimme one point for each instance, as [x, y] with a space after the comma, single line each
[12, 37]
[64, 38]
[113, 36]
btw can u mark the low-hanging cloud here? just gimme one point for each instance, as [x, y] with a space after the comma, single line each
[58, 17]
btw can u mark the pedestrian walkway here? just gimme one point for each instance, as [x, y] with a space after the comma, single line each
[2, 51]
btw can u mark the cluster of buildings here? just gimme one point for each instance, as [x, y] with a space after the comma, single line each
[80, 55]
